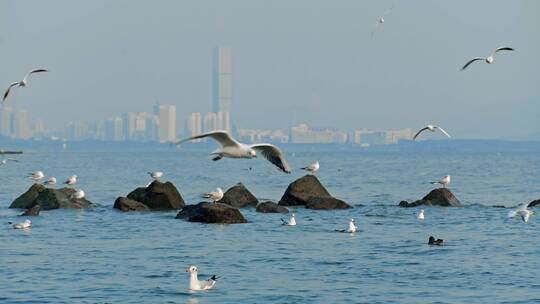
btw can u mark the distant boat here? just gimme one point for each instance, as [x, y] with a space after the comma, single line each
[2, 152]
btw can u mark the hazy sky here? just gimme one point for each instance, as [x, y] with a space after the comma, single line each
[294, 61]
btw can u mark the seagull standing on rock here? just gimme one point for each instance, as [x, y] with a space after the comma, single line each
[215, 196]
[72, 180]
[156, 175]
[312, 168]
[234, 149]
[195, 284]
[51, 181]
[488, 59]
[290, 222]
[522, 211]
[79, 194]
[445, 181]
[36, 176]
[21, 83]
[431, 128]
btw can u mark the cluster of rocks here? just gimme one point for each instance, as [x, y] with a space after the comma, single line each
[437, 197]
[39, 197]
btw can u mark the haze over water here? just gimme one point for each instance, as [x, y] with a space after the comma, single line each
[101, 255]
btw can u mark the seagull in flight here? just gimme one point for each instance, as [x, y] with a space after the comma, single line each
[522, 211]
[215, 196]
[488, 59]
[381, 21]
[445, 181]
[234, 149]
[195, 284]
[21, 83]
[312, 168]
[431, 128]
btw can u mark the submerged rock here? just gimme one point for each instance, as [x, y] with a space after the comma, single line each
[271, 207]
[239, 196]
[158, 196]
[215, 213]
[49, 198]
[126, 204]
[34, 211]
[437, 197]
[308, 191]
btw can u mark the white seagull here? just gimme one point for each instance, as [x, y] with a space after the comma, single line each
[522, 211]
[36, 175]
[72, 180]
[215, 196]
[445, 181]
[24, 225]
[420, 215]
[488, 59]
[352, 227]
[290, 222]
[195, 284]
[156, 175]
[21, 83]
[4, 161]
[51, 181]
[79, 194]
[312, 168]
[432, 129]
[234, 149]
[381, 21]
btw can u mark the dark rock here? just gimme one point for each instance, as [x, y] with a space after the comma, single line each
[437, 197]
[49, 198]
[271, 207]
[534, 203]
[239, 196]
[216, 213]
[158, 196]
[34, 211]
[126, 204]
[308, 191]
[326, 203]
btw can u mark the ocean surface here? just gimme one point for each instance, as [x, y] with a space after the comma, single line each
[102, 255]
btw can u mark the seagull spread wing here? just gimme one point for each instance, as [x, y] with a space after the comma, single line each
[502, 48]
[34, 71]
[471, 61]
[524, 216]
[420, 131]
[6, 93]
[274, 155]
[444, 132]
[222, 137]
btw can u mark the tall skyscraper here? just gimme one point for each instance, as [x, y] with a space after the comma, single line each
[21, 128]
[210, 122]
[222, 85]
[113, 129]
[167, 122]
[6, 121]
[194, 124]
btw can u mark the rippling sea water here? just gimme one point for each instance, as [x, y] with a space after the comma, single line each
[104, 256]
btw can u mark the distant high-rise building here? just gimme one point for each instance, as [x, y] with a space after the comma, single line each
[39, 128]
[222, 85]
[21, 128]
[113, 129]
[6, 118]
[167, 122]
[194, 124]
[210, 122]
[151, 126]
[224, 121]
[128, 120]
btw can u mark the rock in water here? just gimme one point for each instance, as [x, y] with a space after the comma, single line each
[271, 207]
[437, 197]
[158, 196]
[49, 198]
[34, 211]
[308, 191]
[239, 196]
[215, 213]
[126, 204]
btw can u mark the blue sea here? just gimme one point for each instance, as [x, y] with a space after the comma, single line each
[101, 255]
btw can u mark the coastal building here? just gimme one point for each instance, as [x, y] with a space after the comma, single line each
[222, 87]
[303, 134]
[167, 122]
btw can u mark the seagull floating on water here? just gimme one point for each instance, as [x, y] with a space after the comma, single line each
[21, 83]
[195, 284]
[215, 196]
[234, 149]
[79, 194]
[290, 222]
[4, 161]
[488, 59]
[36, 175]
[445, 181]
[72, 180]
[522, 211]
[312, 168]
[432, 129]
[420, 215]
[24, 225]
[51, 181]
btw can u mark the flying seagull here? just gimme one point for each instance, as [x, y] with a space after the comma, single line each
[488, 59]
[195, 284]
[21, 83]
[215, 196]
[522, 211]
[381, 21]
[234, 149]
[312, 168]
[432, 129]
[445, 181]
